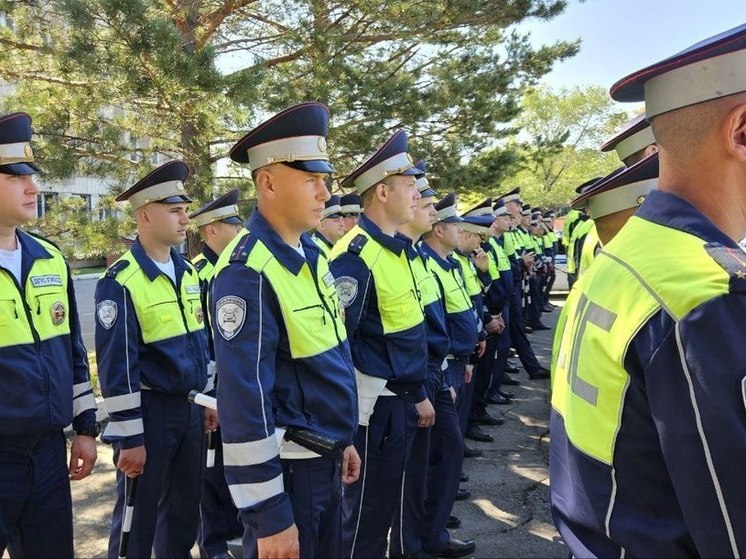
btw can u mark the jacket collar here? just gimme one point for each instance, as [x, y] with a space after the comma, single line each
[672, 211]
[285, 254]
[151, 270]
[395, 244]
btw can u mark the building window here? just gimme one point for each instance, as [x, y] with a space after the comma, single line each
[45, 201]
[88, 199]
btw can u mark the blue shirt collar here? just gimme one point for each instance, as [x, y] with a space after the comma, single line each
[395, 244]
[672, 211]
[31, 247]
[148, 266]
[285, 254]
[210, 255]
[446, 263]
[323, 239]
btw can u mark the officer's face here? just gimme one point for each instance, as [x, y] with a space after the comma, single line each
[450, 234]
[514, 209]
[166, 223]
[401, 198]
[468, 241]
[525, 220]
[298, 196]
[332, 228]
[501, 224]
[424, 215]
[349, 221]
[17, 199]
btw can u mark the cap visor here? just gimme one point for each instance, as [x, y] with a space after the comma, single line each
[453, 219]
[413, 172]
[315, 166]
[233, 220]
[19, 169]
[180, 199]
[428, 192]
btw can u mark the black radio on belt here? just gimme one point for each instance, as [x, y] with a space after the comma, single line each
[315, 442]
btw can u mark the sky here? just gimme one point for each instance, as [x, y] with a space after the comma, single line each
[622, 36]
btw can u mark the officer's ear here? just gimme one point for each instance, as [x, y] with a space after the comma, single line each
[650, 150]
[735, 132]
[263, 182]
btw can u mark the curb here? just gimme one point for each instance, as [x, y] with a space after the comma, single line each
[86, 276]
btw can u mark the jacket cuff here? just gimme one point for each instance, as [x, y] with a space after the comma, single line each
[272, 517]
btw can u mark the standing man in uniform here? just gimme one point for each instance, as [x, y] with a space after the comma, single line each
[219, 222]
[285, 373]
[651, 362]
[151, 350]
[331, 226]
[388, 337]
[351, 208]
[521, 261]
[45, 382]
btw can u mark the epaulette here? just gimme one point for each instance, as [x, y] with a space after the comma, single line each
[114, 269]
[42, 238]
[243, 248]
[200, 264]
[732, 260]
[356, 245]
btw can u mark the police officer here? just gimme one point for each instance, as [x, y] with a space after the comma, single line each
[219, 222]
[521, 261]
[45, 382]
[388, 337]
[410, 522]
[633, 142]
[152, 351]
[464, 328]
[283, 360]
[331, 226]
[351, 208]
[649, 365]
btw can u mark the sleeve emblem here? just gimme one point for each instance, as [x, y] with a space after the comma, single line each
[346, 289]
[106, 312]
[231, 314]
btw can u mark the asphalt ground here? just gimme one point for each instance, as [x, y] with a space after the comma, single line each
[507, 514]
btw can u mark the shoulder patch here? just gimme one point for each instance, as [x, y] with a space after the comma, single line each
[346, 289]
[356, 245]
[732, 260]
[106, 313]
[230, 312]
[114, 269]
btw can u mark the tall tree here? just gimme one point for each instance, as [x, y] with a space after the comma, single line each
[112, 83]
[561, 135]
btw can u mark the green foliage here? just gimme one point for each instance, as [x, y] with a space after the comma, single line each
[113, 84]
[559, 144]
[78, 234]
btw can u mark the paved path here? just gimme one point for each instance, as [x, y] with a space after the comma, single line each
[507, 514]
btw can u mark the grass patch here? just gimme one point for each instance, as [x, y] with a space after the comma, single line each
[90, 270]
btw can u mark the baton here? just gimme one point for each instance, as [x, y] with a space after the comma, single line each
[127, 520]
[311, 440]
[210, 450]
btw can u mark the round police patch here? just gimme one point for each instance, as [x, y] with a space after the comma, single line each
[346, 289]
[106, 312]
[230, 314]
[58, 313]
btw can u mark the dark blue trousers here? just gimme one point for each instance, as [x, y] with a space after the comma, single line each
[518, 336]
[370, 503]
[218, 515]
[482, 378]
[409, 522]
[315, 489]
[35, 505]
[166, 514]
[444, 470]
[464, 392]
[501, 355]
